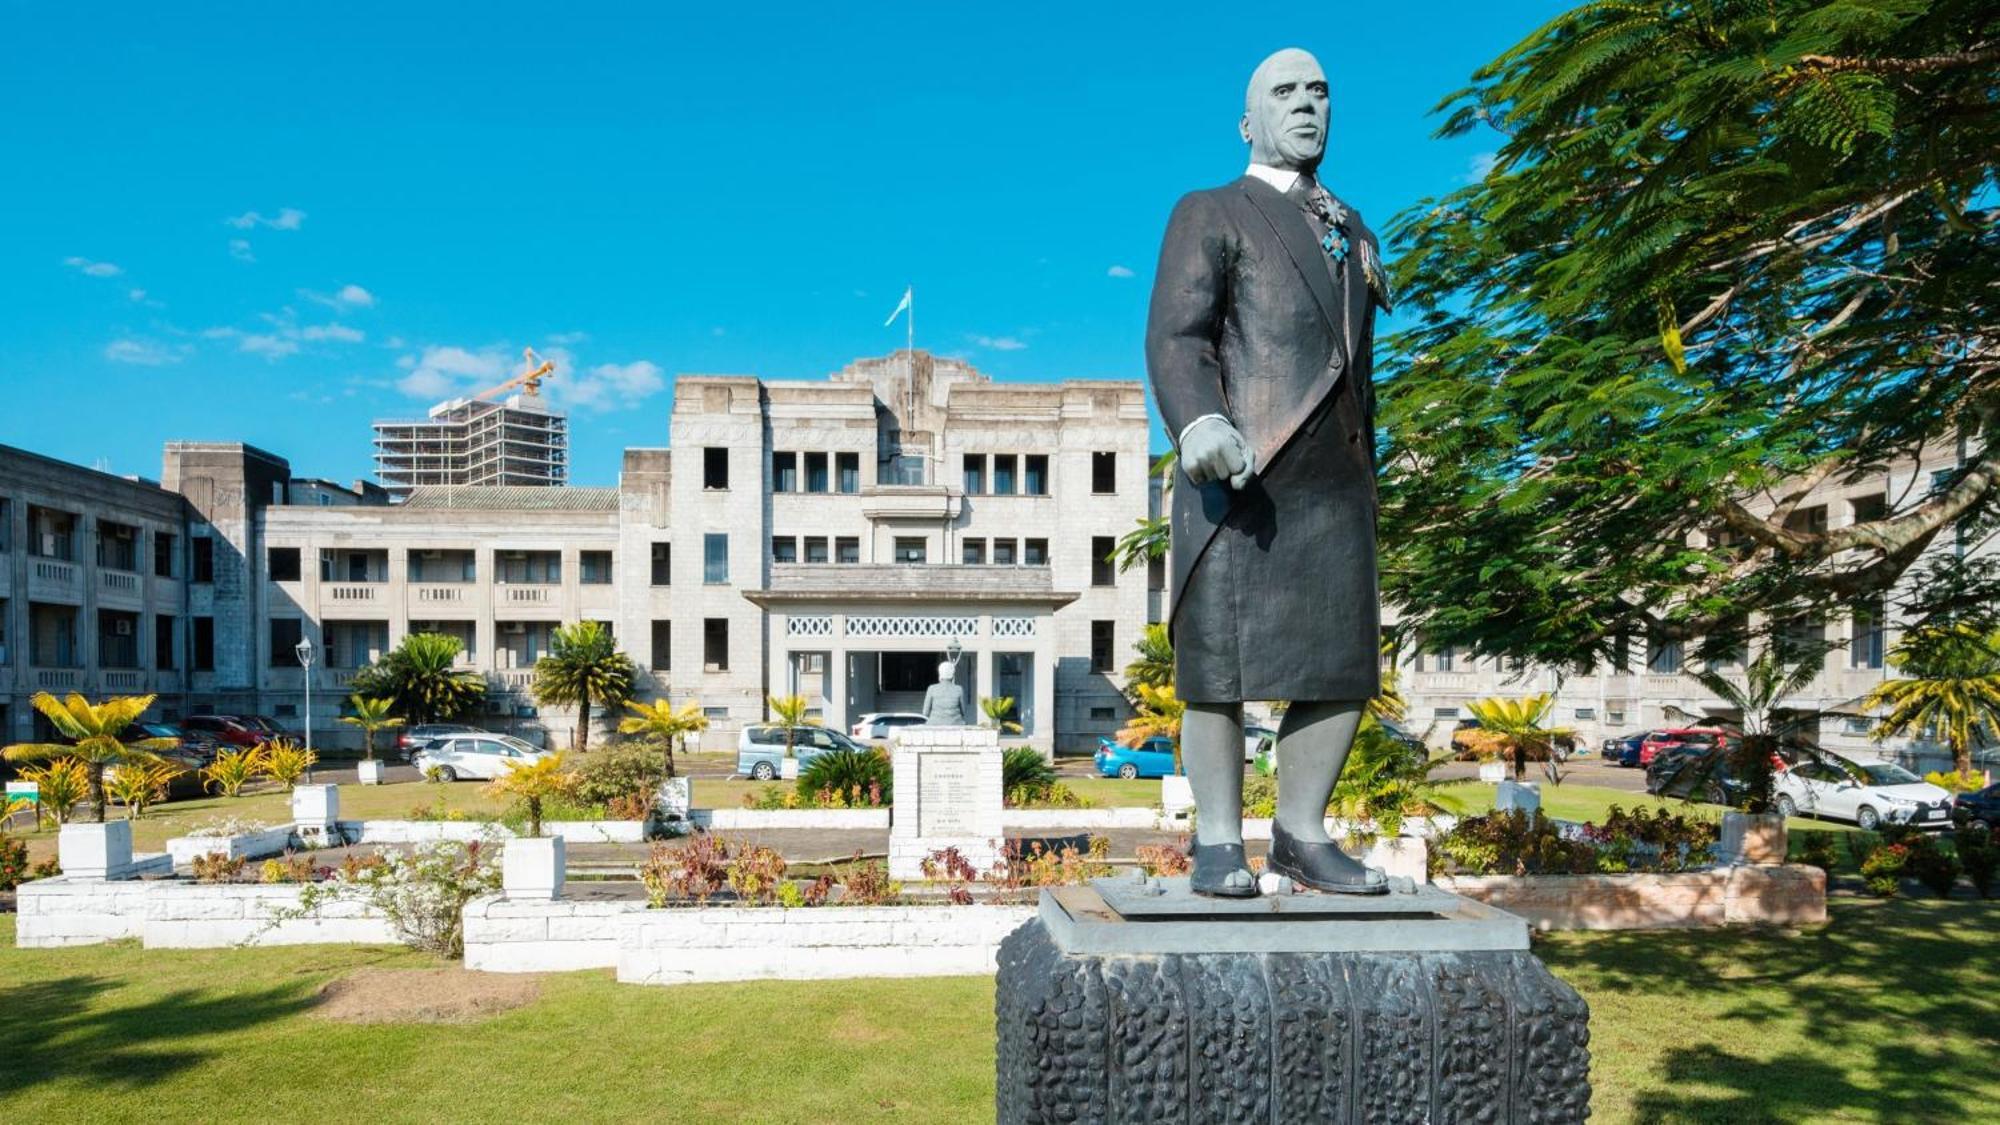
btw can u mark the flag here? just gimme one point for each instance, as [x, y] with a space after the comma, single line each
[902, 307]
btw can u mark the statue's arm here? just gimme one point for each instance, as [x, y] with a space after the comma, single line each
[1183, 334]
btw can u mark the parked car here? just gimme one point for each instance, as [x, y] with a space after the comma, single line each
[409, 740]
[476, 755]
[880, 724]
[1696, 773]
[1674, 737]
[1870, 794]
[188, 758]
[268, 727]
[760, 749]
[1253, 739]
[1266, 759]
[1623, 749]
[228, 730]
[1151, 758]
[1978, 809]
[192, 745]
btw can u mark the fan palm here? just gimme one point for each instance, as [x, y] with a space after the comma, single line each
[1951, 684]
[1778, 672]
[532, 784]
[583, 667]
[1159, 716]
[996, 708]
[1388, 704]
[789, 711]
[371, 715]
[1154, 664]
[1517, 723]
[422, 677]
[1150, 539]
[92, 730]
[659, 721]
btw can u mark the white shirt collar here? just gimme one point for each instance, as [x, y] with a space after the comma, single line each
[1280, 178]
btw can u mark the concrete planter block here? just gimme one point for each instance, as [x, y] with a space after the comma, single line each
[316, 807]
[1522, 796]
[1759, 839]
[533, 868]
[1400, 857]
[676, 798]
[788, 769]
[371, 772]
[1493, 773]
[1176, 797]
[96, 851]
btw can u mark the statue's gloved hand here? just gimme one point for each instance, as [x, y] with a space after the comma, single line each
[1212, 450]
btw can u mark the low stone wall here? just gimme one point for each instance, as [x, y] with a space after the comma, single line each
[1790, 895]
[1056, 820]
[172, 914]
[247, 845]
[597, 831]
[728, 820]
[419, 831]
[679, 946]
[68, 911]
[542, 936]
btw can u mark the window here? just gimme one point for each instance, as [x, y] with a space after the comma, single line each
[902, 468]
[596, 567]
[1868, 509]
[972, 552]
[1621, 652]
[163, 550]
[1103, 714]
[203, 643]
[163, 641]
[1035, 552]
[715, 714]
[847, 549]
[715, 558]
[1104, 472]
[285, 634]
[1446, 713]
[1864, 649]
[1586, 714]
[1003, 474]
[715, 467]
[6, 529]
[1100, 646]
[847, 467]
[1444, 657]
[663, 646]
[1003, 552]
[117, 545]
[975, 473]
[784, 472]
[1035, 474]
[1615, 718]
[1102, 572]
[910, 549]
[815, 472]
[1799, 637]
[1663, 657]
[283, 563]
[663, 564]
[784, 549]
[715, 644]
[1156, 573]
[815, 548]
[204, 561]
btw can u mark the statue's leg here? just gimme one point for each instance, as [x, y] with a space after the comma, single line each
[1313, 742]
[1212, 753]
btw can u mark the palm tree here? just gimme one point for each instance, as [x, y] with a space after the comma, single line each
[996, 709]
[422, 677]
[92, 730]
[789, 711]
[659, 721]
[583, 665]
[1518, 724]
[1951, 684]
[1150, 539]
[1154, 664]
[1778, 672]
[1160, 712]
[371, 715]
[532, 784]
[1388, 706]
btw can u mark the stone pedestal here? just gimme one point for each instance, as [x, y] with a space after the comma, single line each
[946, 795]
[1520, 796]
[1752, 839]
[1130, 1002]
[533, 868]
[369, 771]
[96, 851]
[316, 813]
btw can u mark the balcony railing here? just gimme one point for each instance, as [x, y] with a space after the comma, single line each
[531, 595]
[58, 679]
[351, 595]
[439, 593]
[118, 581]
[513, 679]
[124, 679]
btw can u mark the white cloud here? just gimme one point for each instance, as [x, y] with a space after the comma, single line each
[564, 339]
[239, 249]
[340, 332]
[1119, 271]
[145, 353]
[440, 372]
[137, 294]
[607, 386]
[290, 218]
[1481, 164]
[268, 346]
[89, 268]
[999, 343]
[347, 297]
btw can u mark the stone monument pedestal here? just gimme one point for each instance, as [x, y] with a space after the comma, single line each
[1140, 1001]
[946, 794]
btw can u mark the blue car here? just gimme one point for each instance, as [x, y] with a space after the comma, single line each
[1152, 758]
[1623, 749]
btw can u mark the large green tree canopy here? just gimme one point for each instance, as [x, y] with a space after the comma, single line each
[1727, 251]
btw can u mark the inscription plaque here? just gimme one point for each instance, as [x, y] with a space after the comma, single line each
[947, 795]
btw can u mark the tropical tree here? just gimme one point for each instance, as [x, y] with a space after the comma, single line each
[423, 678]
[1777, 673]
[60, 786]
[92, 730]
[1159, 715]
[583, 667]
[139, 785]
[1153, 664]
[789, 711]
[660, 722]
[1151, 538]
[1725, 252]
[371, 715]
[533, 784]
[1388, 706]
[996, 708]
[1516, 725]
[1950, 684]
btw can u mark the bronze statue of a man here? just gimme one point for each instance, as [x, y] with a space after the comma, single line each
[1258, 347]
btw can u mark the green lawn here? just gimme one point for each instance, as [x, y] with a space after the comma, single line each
[1887, 1015]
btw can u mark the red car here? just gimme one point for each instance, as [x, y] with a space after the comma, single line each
[1679, 736]
[226, 729]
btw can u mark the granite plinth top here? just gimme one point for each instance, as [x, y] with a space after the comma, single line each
[1162, 915]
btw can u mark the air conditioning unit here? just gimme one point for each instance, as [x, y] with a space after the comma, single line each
[48, 544]
[514, 627]
[122, 627]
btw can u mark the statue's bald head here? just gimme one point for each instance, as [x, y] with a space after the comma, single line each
[1285, 111]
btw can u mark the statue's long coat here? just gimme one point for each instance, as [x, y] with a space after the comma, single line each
[1274, 586]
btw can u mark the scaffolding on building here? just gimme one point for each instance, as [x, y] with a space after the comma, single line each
[475, 441]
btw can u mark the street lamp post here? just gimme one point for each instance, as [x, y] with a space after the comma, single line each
[304, 652]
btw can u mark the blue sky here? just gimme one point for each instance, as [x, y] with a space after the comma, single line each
[276, 222]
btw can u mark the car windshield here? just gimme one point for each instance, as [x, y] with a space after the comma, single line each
[1889, 773]
[512, 743]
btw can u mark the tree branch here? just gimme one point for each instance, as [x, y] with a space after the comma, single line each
[1978, 55]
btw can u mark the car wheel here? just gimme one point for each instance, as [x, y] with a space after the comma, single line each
[1786, 806]
[1868, 818]
[1713, 794]
[446, 773]
[763, 771]
[1128, 771]
[1980, 824]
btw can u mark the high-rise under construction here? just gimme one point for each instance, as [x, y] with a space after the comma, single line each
[472, 441]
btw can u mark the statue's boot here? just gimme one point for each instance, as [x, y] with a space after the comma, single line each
[1323, 867]
[1214, 864]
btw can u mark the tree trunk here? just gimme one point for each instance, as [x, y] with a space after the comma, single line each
[535, 816]
[1961, 756]
[96, 773]
[583, 720]
[668, 743]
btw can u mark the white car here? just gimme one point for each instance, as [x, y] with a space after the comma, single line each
[476, 755]
[1892, 795]
[880, 724]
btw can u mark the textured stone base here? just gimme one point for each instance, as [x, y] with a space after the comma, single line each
[1286, 1037]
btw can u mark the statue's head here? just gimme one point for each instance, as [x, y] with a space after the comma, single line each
[1284, 111]
[945, 672]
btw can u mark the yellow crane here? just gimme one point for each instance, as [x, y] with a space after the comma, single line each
[537, 370]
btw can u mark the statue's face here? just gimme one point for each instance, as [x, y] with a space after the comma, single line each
[1284, 111]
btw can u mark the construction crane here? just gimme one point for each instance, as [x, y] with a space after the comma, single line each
[537, 370]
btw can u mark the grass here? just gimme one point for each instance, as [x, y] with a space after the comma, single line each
[1884, 1015]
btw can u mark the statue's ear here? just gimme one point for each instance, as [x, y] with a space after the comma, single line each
[1243, 127]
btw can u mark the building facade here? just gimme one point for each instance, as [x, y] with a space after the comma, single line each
[519, 441]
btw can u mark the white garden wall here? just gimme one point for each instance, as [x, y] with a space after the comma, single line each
[173, 914]
[686, 945]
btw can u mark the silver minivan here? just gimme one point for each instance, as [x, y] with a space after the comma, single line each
[760, 749]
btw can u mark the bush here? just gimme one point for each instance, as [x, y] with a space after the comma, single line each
[64, 783]
[754, 875]
[1819, 850]
[1515, 843]
[285, 761]
[1260, 797]
[422, 892]
[1957, 782]
[293, 869]
[137, 785]
[1979, 851]
[13, 862]
[1040, 865]
[851, 773]
[1164, 859]
[866, 882]
[950, 867]
[620, 771]
[1054, 795]
[1930, 864]
[1882, 868]
[232, 770]
[216, 867]
[696, 870]
[1023, 767]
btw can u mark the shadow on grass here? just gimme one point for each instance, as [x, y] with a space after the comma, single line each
[74, 1028]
